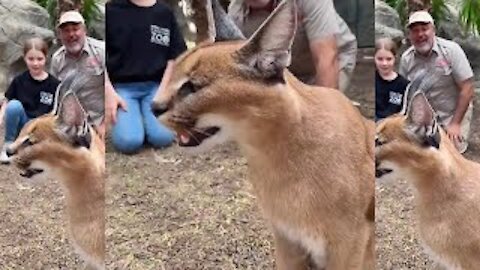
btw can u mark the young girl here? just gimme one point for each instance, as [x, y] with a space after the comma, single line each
[139, 52]
[389, 85]
[30, 95]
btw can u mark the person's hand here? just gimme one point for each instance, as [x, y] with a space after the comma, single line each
[454, 132]
[112, 102]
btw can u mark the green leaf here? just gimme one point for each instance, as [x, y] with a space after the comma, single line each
[439, 10]
[470, 15]
[90, 10]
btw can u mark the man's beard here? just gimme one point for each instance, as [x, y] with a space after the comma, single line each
[424, 48]
[74, 47]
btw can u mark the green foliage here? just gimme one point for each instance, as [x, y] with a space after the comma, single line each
[470, 15]
[42, 3]
[401, 7]
[439, 10]
[90, 10]
[51, 6]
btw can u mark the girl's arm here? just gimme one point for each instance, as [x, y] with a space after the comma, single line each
[2, 110]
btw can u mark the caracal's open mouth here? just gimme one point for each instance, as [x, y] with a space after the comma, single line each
[30, 172]
[381, 172]
[195, 136]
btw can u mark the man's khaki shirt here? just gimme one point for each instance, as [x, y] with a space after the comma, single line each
[91, 60]
[318, 20]
[452, 67]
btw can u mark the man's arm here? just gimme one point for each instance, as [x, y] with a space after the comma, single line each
[324, 52]
[3, 107]
[463, 75]
[464, 98]
[320, 21]
[402, 67]
[54, 65]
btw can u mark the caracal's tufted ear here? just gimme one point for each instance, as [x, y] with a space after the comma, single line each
[267, 53]
[421, 120]
[72, 121]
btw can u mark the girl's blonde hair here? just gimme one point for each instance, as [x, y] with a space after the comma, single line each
[35, 43]
[386, 44]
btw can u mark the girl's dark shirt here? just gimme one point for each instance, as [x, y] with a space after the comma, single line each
[140, 41]
[389, 95]
[37, 97]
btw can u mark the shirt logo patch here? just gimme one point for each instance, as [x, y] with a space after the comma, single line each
[46, 98]
[442, 62]
[92, 62]
[160, 36]
[395, 98]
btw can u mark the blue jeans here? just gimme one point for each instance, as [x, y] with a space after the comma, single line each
[15, 119]
[138, 124]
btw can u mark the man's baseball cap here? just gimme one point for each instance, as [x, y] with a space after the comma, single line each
[70, 17]
[420, 17]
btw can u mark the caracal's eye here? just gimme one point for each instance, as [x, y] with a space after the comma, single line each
[28, 141]
[187, 88]
[379, 140]
[31, 140]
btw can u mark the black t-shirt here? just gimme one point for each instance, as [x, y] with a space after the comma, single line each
[140, 41]
[37, 97]
[389, 95]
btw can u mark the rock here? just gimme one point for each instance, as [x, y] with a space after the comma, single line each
[21, 19]
[387, 22]
[454, 3]
[450, 28]
[382, 30]
[471, 46]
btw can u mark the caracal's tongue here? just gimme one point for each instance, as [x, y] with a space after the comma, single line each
[184, 138]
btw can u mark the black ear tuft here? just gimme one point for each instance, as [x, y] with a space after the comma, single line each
[433, 140]
[72, 121]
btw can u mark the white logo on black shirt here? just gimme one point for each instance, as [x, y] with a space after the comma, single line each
[395, 98]
[46, 98]
[160, 35]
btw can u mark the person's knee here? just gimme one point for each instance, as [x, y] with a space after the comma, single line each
[14, 107]
[127, 143]
[161, 139]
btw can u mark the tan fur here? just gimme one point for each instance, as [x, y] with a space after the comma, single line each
[448, 193]
[309, 152]
[81, 172]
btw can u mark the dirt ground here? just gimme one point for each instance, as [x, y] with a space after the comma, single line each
[167, 210]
